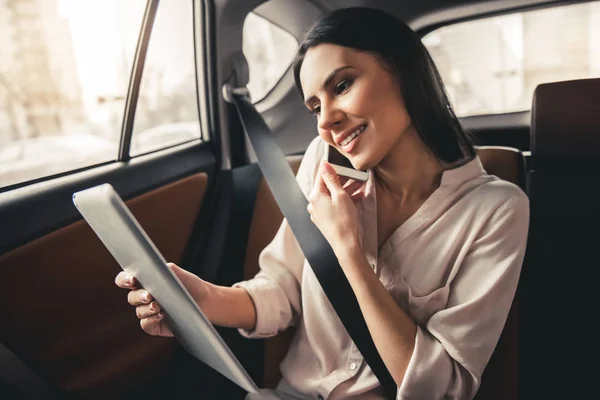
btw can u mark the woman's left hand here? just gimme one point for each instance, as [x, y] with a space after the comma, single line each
[332, 208]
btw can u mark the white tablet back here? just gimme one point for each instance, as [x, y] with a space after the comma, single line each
[122, 235]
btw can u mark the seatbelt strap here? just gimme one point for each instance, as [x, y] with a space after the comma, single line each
[315, 247]
[20, 375]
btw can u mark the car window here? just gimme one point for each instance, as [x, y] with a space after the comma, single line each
[492, 65]
[167, 107]
[269, 50]
[64, 72]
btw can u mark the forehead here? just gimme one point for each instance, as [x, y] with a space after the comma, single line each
[321, 60]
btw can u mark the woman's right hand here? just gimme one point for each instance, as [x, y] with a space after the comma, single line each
[148, 310]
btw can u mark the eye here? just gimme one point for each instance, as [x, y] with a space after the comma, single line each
[343, 86]
[316, 110]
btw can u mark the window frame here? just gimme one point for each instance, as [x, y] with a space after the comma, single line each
[135, 81]
[133, 91]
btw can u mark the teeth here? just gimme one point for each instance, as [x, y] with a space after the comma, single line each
[353, 135]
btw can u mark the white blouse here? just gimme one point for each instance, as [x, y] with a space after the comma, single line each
[453, 267]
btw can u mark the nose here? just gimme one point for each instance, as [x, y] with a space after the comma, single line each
[330, 116]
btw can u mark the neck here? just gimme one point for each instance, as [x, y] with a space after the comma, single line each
[410, 171]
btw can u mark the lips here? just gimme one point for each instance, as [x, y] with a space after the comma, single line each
[349, 135]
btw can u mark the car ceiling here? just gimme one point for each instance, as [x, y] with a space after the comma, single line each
[297, 16]
[280, 107]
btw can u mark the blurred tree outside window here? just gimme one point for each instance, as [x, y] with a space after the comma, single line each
[269, 51]
[64, 73]
[492, 65]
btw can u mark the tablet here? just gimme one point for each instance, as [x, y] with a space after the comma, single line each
[111, 220]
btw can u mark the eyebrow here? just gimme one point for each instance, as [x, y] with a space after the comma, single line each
[328, 81]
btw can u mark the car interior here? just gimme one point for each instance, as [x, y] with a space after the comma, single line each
[207, 208]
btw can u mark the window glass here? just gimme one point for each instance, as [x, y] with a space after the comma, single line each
[269, 50]
[493, 65]
[167, 108]
[64, 71]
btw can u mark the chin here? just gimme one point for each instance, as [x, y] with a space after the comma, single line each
[361, 163]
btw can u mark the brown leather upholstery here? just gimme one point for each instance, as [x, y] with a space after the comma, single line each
[505, 162]
[265, 222]
[567, 116]
[500, 377]
[60, 309]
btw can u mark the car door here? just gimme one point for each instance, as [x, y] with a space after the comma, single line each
[125, 102]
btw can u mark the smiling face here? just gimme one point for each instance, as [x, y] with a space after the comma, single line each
[357, 102]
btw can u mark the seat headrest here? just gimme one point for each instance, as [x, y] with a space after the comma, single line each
[565, 123]
[506, 163]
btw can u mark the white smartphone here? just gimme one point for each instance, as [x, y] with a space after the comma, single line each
[342, 165]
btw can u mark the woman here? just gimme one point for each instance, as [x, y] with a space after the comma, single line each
[431, 245]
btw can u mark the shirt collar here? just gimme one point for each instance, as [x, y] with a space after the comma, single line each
[452, 176]
[463, 173]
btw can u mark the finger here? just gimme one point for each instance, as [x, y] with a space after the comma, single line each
[320, 186]
[344, 180]
[315, 189]
[309, 208]
[331, 180]
[187, 278]
[138, 297]
[149, 324]
[360, 190]
[353, 187]
[358, 196]
[125, 280]
[173, 266]
[147, 310]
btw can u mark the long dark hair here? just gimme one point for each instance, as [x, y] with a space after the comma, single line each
[403, 53]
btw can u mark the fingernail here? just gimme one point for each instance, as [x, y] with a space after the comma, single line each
[145, 296]
[128, 279]
[159, 315]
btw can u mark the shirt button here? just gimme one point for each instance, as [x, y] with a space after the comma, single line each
[352, 366]
[320, 397]
[372, 265]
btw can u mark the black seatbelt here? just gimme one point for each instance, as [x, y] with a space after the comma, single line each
[19, 375]
[315, 247]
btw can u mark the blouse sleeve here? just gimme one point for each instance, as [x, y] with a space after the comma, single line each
[275, 290]
[452, 350]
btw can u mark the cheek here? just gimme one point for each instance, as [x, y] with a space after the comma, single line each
[377, 103]
[393, 113]
[401, 118]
